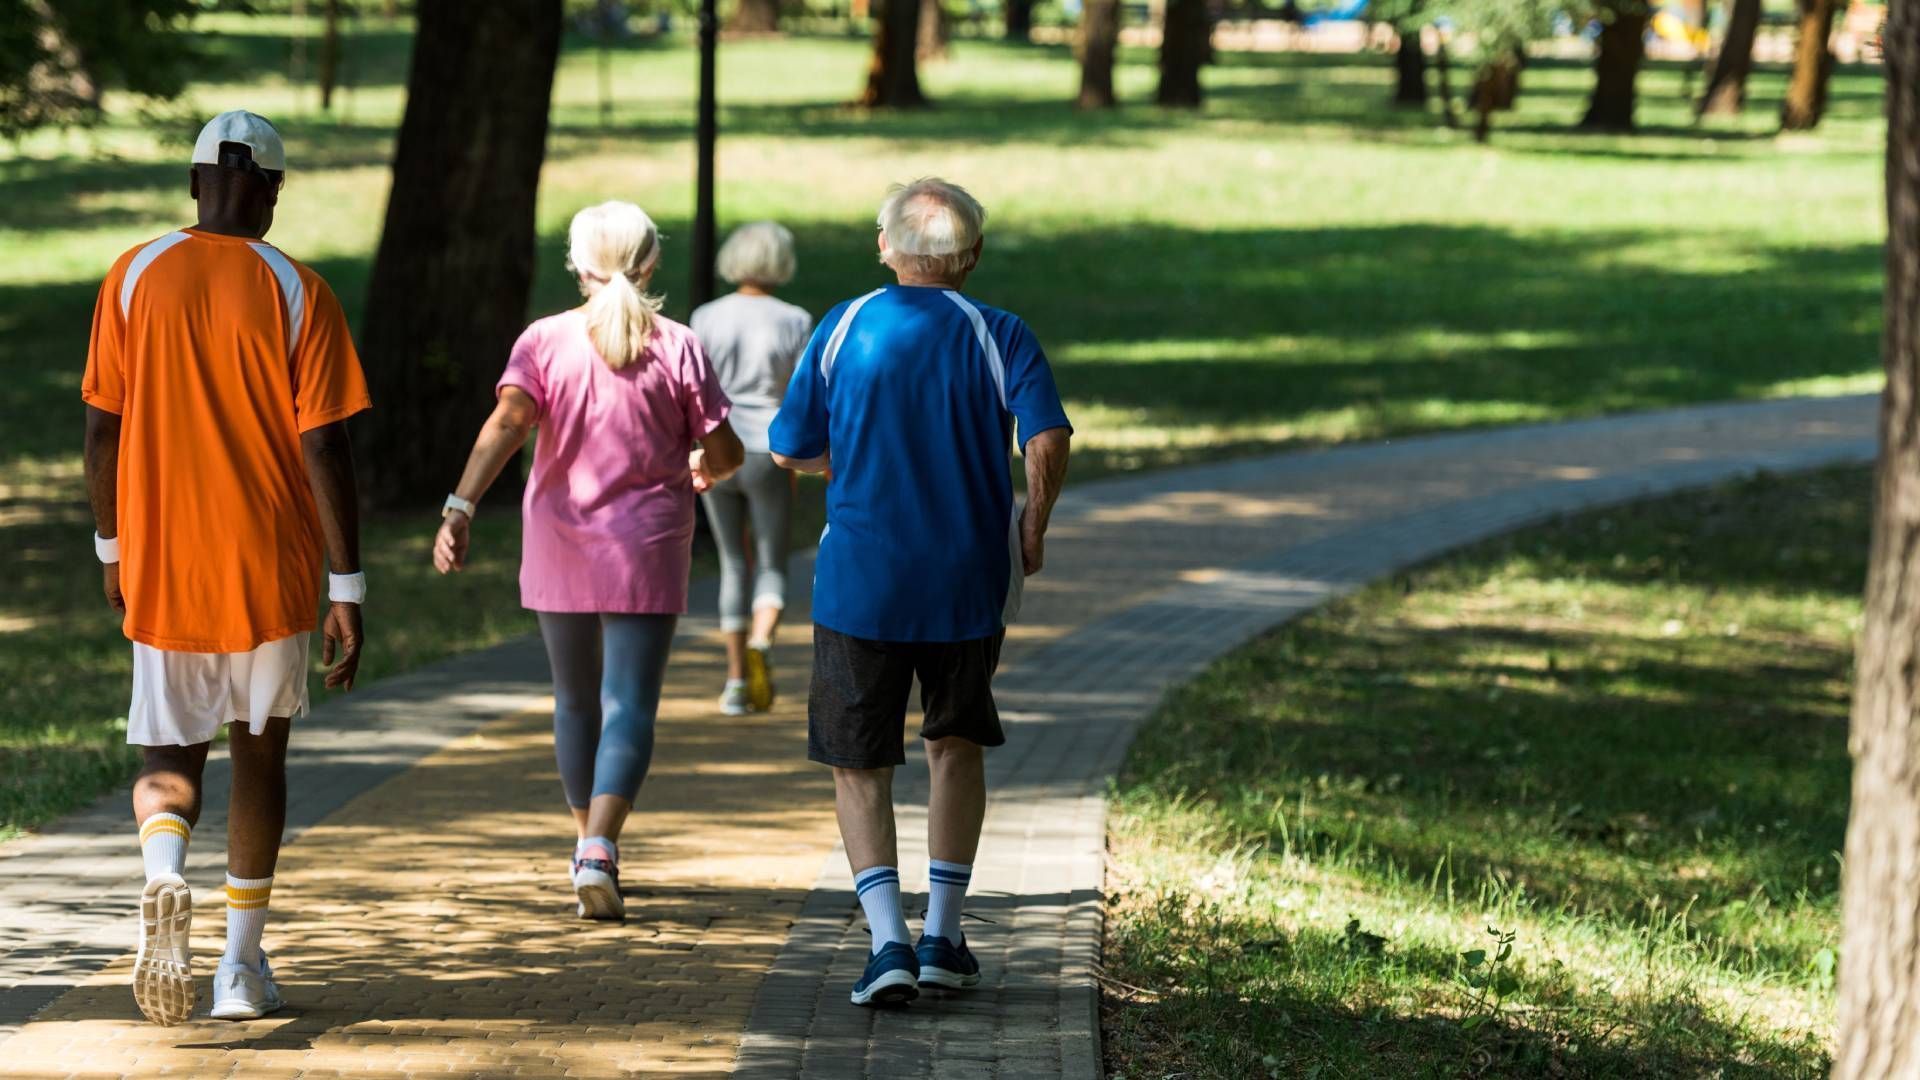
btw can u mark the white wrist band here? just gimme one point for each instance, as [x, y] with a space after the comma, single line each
[107, 551]
[347, 588]
[455, 502]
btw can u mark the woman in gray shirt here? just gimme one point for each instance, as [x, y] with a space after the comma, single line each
[753, 341]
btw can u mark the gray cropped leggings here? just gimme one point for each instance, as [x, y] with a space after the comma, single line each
[607, 671]
[761, 492]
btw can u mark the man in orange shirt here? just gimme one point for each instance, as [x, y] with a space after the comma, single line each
[218, 384]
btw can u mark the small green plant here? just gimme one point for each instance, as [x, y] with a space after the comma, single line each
[1488, 979]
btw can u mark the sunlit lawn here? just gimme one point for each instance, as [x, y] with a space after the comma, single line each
[1297, 264]
[1620, 738]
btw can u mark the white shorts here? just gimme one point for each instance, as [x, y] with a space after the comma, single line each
[185, 698]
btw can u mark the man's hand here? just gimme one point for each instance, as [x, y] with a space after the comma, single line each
[703, 480]
[450, 544]
[111, 573]
[341, 629]
[1033, 543]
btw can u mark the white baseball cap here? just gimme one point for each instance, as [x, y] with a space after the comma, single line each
[249, 130]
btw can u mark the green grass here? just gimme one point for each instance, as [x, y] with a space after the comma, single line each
[1619, 737]
[1297, 264]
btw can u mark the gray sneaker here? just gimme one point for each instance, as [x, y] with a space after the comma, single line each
[244, 993]
[163, 966]
[733, 700]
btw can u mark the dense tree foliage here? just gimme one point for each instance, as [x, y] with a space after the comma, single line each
[57, 57]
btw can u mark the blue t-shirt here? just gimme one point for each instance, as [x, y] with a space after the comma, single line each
[917, 390]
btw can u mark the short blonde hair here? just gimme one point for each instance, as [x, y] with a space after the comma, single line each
[758, 253]
[614, 247]
[931, 227]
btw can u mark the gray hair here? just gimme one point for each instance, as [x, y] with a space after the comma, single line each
[759, 253]
[931, 227]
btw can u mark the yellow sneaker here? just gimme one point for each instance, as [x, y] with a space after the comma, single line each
[760, 677]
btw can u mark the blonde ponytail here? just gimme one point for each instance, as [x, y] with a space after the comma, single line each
[614, 247]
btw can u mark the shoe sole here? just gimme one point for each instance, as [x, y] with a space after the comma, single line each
[896, 987]
[236, 1009]
[599, 899]
[950, 980]
[734, 710]
[163, 972]
[759, 681]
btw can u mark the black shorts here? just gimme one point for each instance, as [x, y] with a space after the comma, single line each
[857, 708]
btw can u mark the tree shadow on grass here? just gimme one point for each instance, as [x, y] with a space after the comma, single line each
[1283, 336]
[1245, 997]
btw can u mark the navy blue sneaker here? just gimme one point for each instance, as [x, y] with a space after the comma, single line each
[892, 977]
[942, 963]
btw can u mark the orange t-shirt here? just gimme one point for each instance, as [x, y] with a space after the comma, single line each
[217, 352]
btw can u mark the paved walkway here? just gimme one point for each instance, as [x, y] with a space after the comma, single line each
[421, 917]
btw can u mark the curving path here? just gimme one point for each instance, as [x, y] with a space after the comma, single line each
[421, 920]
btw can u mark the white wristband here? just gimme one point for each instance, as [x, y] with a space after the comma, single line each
[347, 588]
[107, 551]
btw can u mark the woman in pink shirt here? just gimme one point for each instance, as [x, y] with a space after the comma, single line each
[632, 422]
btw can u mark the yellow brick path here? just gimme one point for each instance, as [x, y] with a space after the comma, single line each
[406, 952]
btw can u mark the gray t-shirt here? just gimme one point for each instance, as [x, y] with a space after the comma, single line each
[753, 343]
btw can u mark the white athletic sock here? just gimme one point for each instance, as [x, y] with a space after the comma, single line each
[879, 890]
[612, 850]
[163, 844]
[246, 918]
[946, 892]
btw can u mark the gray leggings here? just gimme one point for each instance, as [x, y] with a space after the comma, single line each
[607, 671]
[763, 493]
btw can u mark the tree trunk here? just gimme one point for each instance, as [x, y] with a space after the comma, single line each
[1495, 89]
[329, 70]
[756, 17]
[1444, 63]
[1020, 20]
[935, 35]
[1879, 1015]
[1098, 41]
[451, 280]
[893, 79]
[1812, 65]
[1185, 42]
[1623, 44]
[1726, 90]
[1410, 64]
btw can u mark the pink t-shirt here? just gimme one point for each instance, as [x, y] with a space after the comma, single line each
[609, 507]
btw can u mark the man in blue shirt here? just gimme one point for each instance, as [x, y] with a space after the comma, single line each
[908, 398]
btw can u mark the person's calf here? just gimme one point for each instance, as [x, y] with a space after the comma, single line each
[166, 805]
[257, 814]
[863, 802]
[957, 799]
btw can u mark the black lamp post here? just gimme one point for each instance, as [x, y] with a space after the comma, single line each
[707, 130]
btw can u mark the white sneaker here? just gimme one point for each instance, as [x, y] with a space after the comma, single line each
[733, 700]
[242, 993]
[163, 967]
[596, 882]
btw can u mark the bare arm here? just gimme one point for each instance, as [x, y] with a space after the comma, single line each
[720, 456]
[329, 459]
[501, 437]
[1046, 457]
[823, 463]
[102, 453]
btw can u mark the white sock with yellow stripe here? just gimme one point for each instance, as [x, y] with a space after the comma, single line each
[246, 918]
[163, 844]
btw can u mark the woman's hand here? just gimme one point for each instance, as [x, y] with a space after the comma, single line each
[450, 545]
[703, 480]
